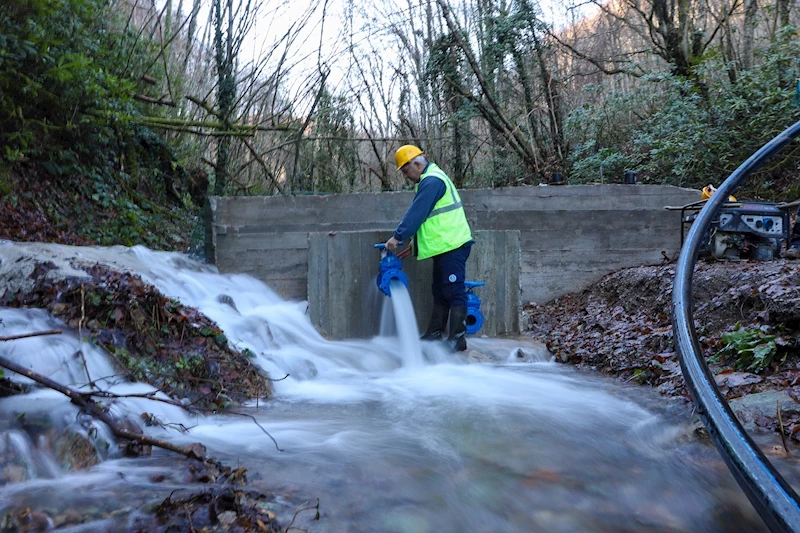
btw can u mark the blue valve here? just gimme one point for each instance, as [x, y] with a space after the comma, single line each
[390, 268]
[474, 315]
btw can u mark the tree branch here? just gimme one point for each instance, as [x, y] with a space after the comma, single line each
[84, 401]
[37, 334]
[508, 130]
[599, 64]
[149, 100]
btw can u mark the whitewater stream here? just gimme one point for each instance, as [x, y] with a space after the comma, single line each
[390, 434]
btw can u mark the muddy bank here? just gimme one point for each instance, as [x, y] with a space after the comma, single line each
[747, 315]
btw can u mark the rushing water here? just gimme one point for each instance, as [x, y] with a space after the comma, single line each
[404, 324]
[390, 434]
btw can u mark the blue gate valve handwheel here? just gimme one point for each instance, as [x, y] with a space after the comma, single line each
[390, 268]
[474, 315]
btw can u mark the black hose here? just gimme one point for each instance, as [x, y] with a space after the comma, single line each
[770, 494]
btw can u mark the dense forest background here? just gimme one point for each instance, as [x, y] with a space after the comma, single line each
[119, 117]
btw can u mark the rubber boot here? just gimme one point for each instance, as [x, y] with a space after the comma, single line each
[436, 324]
[457, 340]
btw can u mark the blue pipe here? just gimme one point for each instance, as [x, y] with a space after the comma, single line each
[474, 315]
[390, 268]
[770, 494]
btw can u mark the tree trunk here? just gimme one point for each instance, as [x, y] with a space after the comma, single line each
[553, 103]
[748, 32]
[529, 107]
[488, 105]
[784, 10]
[226, 90]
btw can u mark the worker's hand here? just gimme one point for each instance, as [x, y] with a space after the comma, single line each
[391, 244]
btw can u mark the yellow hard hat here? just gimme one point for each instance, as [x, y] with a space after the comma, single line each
[406, 153]
[708, 192]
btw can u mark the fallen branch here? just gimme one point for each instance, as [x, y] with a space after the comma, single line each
[84, 401]
[297, 512]
[37, 334]
[183, 123]
[251, 417]
[150, 100]
[211, 111]
[667, 259]
[146, 395]
[200, 133]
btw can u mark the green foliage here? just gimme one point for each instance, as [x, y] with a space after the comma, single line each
[58, 79]
[506, 170]
[5, 186]
[751, 350]
[678, 144]
[676, 132]
[328, 162]
[603, 131]
[68, 126]
[336, 160]
[448, 75]
[606, 165]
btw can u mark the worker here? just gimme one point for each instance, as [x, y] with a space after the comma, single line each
[793, 247]
[440, 229]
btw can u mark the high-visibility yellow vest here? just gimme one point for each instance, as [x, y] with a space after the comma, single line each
[446, 227]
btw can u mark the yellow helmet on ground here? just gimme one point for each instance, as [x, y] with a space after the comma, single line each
[708, 192]
[406, 153]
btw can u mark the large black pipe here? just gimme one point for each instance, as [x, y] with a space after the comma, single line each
[770, 494]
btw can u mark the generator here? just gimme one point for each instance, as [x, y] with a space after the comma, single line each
[741, 230]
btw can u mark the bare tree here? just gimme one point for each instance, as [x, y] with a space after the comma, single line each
[748, 32]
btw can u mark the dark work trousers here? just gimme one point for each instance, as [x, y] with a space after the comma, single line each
[449, 272]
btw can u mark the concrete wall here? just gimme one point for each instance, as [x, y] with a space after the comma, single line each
[267, 236]
[570, 236]
[344, 300]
